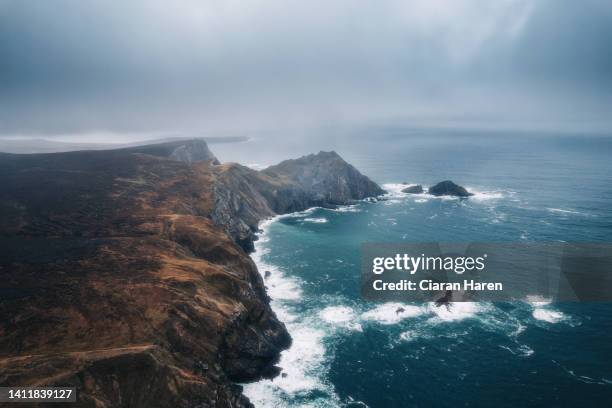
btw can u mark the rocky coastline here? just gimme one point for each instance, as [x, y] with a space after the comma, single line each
[126, 272]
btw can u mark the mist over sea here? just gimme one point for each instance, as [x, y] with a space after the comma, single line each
[530, 187]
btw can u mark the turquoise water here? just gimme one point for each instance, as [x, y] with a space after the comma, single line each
[349, 352]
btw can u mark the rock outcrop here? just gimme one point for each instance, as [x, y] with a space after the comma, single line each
[324, 179]
[194, 151]
[448, 188]
[188, 151]
[123, 272]
[245, 196]
[416, 189]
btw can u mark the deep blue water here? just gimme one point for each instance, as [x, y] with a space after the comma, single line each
[349, 352]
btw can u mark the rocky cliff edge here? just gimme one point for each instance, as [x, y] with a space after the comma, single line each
[124, 272]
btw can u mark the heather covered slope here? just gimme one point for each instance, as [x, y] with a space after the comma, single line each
[122, 275]
[118, 282]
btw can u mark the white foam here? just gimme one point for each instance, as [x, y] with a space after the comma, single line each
[445, 197]
[391, 202]
[279, 286]
[484, 195]
[392, 313]
[411, 335]
[284, 313]
[300, 368]
[303, 364]
[298, 214]
[537, 300]
[408, 335]
[354, 326]
[283, 288]
[456, 310]
[547, 315]
[542, 310]
[337, 314]
[395, 189]
[522, 350]
[316, 220]
[560, 210]
[346, 208]
[564, 211]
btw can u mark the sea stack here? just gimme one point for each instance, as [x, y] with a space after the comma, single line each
[448, 188]
[416, 189]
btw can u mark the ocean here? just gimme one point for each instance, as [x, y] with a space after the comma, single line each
[348, 352]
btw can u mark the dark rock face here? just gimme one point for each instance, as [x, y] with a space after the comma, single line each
[448, 188]
[320, 179]
[244, 196]
[418, 189]
[124, 272]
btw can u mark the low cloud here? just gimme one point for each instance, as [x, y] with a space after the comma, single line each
[80, 67]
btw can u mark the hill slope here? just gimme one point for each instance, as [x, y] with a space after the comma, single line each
[124, 272]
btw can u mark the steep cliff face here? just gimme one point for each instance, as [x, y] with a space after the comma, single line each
[323, 179]
[187, 151]
[123, 274]
[193, 151]
[245, 196]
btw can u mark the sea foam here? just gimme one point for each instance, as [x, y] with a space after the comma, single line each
[392, 313]
[303, 365]
[318, 220]
[456, 311]
[550, 316]
[337, 314]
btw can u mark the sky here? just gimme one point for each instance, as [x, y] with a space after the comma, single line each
[97, 69]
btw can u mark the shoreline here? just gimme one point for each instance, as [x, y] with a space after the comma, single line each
[307, 349]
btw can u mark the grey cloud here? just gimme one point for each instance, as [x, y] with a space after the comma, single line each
[74, 66]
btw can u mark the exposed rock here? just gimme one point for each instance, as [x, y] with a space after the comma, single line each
[416, 189]
[323, 179]
[193, 151]
[448, 188]
[244, 196]
[187, 151]
[122, 275]
[445, 300]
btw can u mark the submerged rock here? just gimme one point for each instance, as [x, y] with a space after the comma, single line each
[448, 188]
[417, 189]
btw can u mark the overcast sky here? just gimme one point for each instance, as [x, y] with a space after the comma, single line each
[188, 66]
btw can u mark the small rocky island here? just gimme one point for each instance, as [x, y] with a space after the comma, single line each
[448, 188]
[415, 189]
[126, 272]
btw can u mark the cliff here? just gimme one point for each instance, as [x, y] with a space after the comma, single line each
[124, 272]
[188, 151]
[245, 196]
